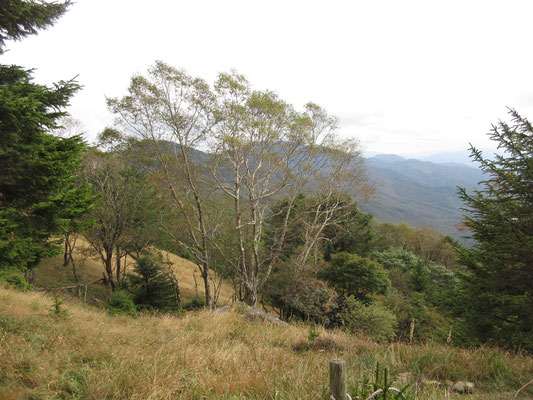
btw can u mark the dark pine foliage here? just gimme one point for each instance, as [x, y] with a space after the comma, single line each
[151, 288]
[19, 18]
[500, 216]
[37, 170]
[38, 192]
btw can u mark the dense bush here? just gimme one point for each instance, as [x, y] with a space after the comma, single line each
[428, 323]
[416, 275]
[196, 303]
[300, 297]
[120, 303]
[16, 281]
[395, 257]
[353, 275]
[374, 320]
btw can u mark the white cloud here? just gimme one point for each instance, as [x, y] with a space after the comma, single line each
[404, 77]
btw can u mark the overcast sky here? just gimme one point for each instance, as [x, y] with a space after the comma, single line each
[404, 77]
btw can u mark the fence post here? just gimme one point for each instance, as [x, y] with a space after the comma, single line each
[337, 379]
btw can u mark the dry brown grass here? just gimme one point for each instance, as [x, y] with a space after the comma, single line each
[92, 355]
[52, 274]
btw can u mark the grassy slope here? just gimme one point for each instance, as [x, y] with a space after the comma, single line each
[52, 274]
[91, 355]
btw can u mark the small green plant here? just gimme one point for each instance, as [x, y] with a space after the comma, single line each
[74, 384]
[8, 324]
[379, 389]
[57, 309]
[240, 308]
[311, 342]
[312, 334]
[120, 303]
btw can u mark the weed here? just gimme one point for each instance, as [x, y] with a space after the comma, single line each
[196, 303]
[240, 308]
[74, 383]
[380, 388]
[312, 334]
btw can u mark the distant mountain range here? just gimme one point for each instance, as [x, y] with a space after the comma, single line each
[455, 157]
[419, 192]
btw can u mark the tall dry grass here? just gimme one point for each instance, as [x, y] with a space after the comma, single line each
[89, 354]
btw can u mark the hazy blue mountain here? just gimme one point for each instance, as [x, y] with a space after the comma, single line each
[419, 192]
[410, 190]
[458, 157]
[387, 158]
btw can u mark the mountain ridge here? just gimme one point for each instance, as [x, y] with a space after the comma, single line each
[410, 190]
[419, 192]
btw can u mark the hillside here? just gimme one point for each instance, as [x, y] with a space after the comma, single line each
[419, 192]
[52, 274]
[87, 354]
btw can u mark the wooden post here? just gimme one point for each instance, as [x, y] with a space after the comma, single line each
[337, 378]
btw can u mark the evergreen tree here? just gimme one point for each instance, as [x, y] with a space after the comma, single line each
[500, 217]
[151, 287]
[19, 18]
[37, 170]
[352, 234]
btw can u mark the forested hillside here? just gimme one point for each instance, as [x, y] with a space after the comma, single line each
[420, 193]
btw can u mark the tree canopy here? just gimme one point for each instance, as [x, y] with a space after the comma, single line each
[357, 276]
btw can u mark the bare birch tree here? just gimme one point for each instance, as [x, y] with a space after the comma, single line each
[171, 114]
[263, 151]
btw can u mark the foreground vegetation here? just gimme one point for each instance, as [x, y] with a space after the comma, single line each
[84, 353]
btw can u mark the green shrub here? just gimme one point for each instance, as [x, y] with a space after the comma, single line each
[416, 275]
[120, 303]
[428, 323]
[374, 320]
[395, 257]
[16, 281]
[194, 304]
[300, 297]
[380, 388]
